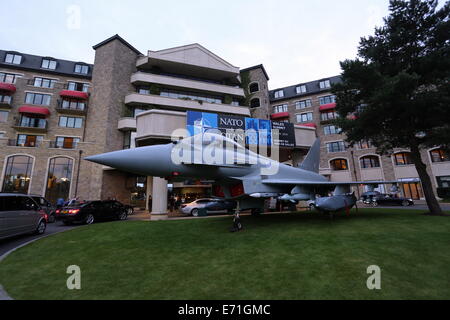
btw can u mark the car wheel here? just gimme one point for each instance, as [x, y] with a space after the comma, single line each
[312, 206]
[194, 212]
[51, 218]
[41, 227]
[405, 203]
[130, 211]
[89, 219]
[374, 204]
[123, 215]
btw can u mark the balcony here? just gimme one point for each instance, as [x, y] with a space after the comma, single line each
[136, 99]
[127, 124]
[58, 145]
[72, 107]
[31, 125]
[6, 101]
[140, 78]
[29, 144]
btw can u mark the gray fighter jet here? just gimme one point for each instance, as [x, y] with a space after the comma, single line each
[236, 172]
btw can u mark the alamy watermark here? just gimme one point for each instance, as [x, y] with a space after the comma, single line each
[74, 280]
[214, 148]
[374, 280]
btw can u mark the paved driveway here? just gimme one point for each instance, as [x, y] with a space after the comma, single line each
[11, 243]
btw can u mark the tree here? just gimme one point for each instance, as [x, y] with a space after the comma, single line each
[396, 93]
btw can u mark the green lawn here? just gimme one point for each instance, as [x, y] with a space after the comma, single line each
[292, 256]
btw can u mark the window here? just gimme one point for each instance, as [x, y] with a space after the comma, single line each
[337, 146]
[439, 155]
[13, 58]
[338, 164]
[31, 141]
[32, 122]
[255, 103]
[129, 140]
[300, 89]
[58, 178]
[443, 181]
[66, 142]
[364, 145]
[279, 94]
[303, 104]
[369, 162]
[70, 122]
[38, 98]
[331, 129]
[254, 87]
[402, 158]
[44, 83]
[185, 95]
[304, 117]
[280, 108]
[77, 86]
[72, 104]
[4, 116]
[48, 64]
[324, 84]
[327, 99]
[8, 77]
[5, 99]
[17, 174]
[328, 115]
[81, 68]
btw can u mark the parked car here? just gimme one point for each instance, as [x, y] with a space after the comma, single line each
[367, 196]
[88, 212]
[211, 205]
[389, 200]
[20, 214]
[45, 205]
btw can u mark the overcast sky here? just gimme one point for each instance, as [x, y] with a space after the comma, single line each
[297, 41]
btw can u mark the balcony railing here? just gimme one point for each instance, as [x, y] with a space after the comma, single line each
[76, 107]
[60, 145]
[29, 144]
[32, 123]
[6, 101]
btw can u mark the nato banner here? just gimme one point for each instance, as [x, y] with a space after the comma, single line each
[249, 131]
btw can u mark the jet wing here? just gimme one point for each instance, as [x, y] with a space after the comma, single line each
[319, 183]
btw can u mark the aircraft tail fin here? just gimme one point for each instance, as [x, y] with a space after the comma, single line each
[312, 159]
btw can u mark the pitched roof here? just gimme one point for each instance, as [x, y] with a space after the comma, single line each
[116, 37]
[33, 62]
[312, 87]
[259, 66]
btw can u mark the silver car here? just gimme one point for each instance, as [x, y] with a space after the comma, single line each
[20, 214]
[211, 206]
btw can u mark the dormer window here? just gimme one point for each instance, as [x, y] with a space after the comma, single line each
[325, 84]
[279, 94]
[81, 68]
[300, 89]
[13, 58]
[48, 64]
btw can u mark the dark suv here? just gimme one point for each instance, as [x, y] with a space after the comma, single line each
[88, 212]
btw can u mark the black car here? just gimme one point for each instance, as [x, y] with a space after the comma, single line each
[90, 211]
[368, 196]
[389, 200]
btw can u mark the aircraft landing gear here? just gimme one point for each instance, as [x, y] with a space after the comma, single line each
[237, 225]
